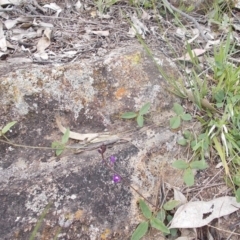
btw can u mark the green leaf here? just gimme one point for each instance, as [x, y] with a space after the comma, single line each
[8, 126]
[58, 147]
[188, 177]
[140, 231]
[129, 115]
[182, 142]
[59, 151]
[237, 194]
[199, 165]
[178, 109]
[170, 205]
[175, 122]
[55, 145]
[236, 179]
[186, 117]
[145, 209]
[144, 109]
[156, 223]
[169, 217]
[173, 232]
[65, 136]
[140, 120]
[180, 164]
[161, 215]
[187, 134]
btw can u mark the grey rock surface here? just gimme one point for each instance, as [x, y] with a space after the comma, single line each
[89, 96]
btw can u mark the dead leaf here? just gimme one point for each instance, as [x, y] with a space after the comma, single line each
[10, 23]
[195, 52]
[78, 6]
[3, 43]
[101, 33]
[44, 41]
[145, 15]
[12, 2]
[38, 23]
[87, 137]
[179, 197]
[200, 213]
[54, 7]
[137, 28]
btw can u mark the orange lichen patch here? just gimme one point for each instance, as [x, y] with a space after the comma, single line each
[78, 214]
[120, 93]
[105, 234]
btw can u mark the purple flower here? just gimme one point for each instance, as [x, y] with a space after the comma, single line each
[113, 159]
[116, 178]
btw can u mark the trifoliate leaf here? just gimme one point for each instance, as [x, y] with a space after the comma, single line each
[161, 215]
[170, 205]
[186, 117]
[140, 231]
[187, 134]
[144, 109]
[175, 122]
[178, 109]
[145, 209]
[182, 142]
[180, 164]
[129, 115]
[188, 177]
[156, 223]
[140, 120]
[199, 165]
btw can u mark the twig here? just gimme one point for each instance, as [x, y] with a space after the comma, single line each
[190, 18]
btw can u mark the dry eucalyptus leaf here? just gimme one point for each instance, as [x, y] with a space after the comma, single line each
[19, 60]
[38, 23]
[179, 197]
[54, 7]
[45, 41]
[78, 6]
[137, 28]
[145, 15]
[90, 137]
[210, 44]
[10, 23]
[101, 33]
[195, 52]
[200, 213]
[12, 2]
[9, 45]
[3, 43]
[27, 35]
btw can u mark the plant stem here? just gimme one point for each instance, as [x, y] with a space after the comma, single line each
[126, 181]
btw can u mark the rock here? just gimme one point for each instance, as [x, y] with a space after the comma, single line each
[89, 96]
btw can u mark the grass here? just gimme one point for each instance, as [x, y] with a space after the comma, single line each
[216, 96]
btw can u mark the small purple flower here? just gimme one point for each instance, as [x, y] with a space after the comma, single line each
[116, 178]
[113, 159]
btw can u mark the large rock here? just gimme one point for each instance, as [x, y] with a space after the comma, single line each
[89, 96]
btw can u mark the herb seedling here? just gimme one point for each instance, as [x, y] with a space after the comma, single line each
[137, 115]
[6, 128]
[188, 175]
[60, 146]
[175, 121]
